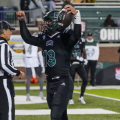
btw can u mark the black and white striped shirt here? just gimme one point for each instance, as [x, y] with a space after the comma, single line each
[6, 61]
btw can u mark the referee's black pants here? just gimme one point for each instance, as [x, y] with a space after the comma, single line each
[92, 66]
[7, 108]
[80, 69]
[58, 94]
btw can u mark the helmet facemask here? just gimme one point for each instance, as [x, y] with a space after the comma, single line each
[46, 27]
[50, 25]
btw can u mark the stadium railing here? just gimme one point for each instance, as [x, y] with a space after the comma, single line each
[94, 15]
[10, 16]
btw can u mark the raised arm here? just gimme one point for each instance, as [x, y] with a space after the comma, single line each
[71, 37]
[27, 37]
[77, 30]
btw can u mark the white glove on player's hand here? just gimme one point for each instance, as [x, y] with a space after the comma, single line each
[80, 59]
[43, 70]
[85, 61]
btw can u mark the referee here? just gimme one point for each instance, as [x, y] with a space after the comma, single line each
[7, 71]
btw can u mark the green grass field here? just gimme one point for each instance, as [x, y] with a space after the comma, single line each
[91, 102]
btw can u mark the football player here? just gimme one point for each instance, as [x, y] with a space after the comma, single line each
[30, 56]
[57, 47]
[77, 65]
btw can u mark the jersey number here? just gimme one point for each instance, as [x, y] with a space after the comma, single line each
[76, 53]
[49, 57]
[29, 50]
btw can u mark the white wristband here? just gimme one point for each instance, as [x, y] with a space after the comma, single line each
[77, 18]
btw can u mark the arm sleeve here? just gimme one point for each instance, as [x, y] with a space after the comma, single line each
[4, 61]
[27, 37]
[41, 58]
[98, 50]
[23, 57]
[84, 53]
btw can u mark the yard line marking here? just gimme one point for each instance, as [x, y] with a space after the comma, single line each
[21, 99]
[69, 111]
[75, 87]
[31, 88]
[99, 96]
[100, 87]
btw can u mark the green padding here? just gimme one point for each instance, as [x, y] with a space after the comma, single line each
[104, 65]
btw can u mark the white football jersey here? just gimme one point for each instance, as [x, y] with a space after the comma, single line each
[31, 56]
[30, 50]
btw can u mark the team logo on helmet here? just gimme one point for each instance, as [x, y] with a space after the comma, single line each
[52, 24]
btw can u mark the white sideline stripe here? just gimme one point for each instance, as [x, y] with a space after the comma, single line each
[99, 96]
[69, 111]
[31, 88]
[100, 87]
[88, 87]
[21, 99]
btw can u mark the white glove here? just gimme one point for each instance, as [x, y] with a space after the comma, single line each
[43, 70]
[85, 61]
[80, 59]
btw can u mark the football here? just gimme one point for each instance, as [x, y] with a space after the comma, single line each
[64, 19]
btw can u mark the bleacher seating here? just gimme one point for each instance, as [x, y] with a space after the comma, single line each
[96, 16]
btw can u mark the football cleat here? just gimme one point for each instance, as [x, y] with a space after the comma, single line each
[28, 97]
[81, 99]
[42, 96]
[71, 102]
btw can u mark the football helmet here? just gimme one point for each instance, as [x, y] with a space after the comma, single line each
[50, 22]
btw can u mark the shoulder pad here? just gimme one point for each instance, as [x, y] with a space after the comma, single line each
[83, 39]
[35, 34]
[69, 31]
[41, 33]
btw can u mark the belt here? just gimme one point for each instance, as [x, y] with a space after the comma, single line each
[75, 63]
[52, 79]
[3, 77]
[56, 77]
